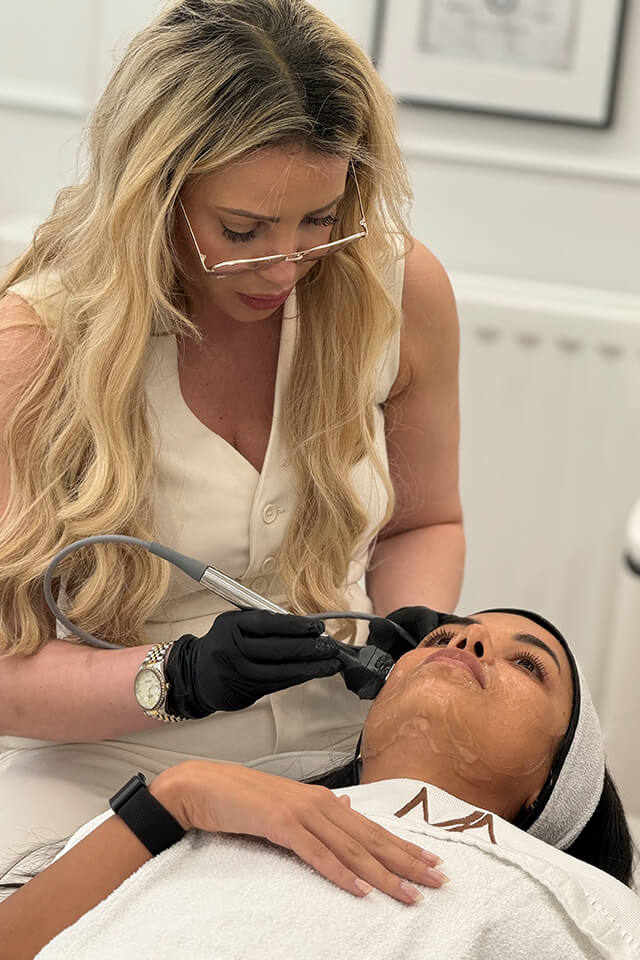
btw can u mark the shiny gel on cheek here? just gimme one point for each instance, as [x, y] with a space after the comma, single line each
[442, 709]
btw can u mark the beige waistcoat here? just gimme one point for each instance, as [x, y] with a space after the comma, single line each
[213, 505]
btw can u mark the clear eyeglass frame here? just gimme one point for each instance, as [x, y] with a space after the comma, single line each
[228, 268]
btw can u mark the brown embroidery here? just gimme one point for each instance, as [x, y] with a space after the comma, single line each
[474, 820]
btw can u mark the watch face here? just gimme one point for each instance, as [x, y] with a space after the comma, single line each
[148, 689]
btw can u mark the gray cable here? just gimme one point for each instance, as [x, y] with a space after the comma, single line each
[193, 568]
[48, 595]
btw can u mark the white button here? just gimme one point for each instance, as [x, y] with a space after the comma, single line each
[269, 513]
[269, 565]
[259, 585]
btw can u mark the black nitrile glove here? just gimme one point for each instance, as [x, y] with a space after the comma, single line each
[417, 621]
[366, 673]
[246, 655]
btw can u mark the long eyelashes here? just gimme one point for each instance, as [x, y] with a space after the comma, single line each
[435, 635]
[238, 237]
[535, 661]
[250, 235]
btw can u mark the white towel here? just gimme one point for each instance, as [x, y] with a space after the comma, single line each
[226, 897]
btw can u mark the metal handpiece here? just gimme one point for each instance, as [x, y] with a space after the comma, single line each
[229, 589]
[235, 592]
[368, 666]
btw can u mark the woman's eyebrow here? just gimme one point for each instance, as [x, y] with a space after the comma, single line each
[259, 216]
[452, 618]
[535, 642]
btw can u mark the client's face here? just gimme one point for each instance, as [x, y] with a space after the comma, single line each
[486, 731]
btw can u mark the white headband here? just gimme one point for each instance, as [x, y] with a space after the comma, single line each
[578, 785]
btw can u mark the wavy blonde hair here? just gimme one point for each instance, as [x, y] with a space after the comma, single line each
[207, 82]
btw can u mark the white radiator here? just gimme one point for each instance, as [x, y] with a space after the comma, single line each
[550, 454]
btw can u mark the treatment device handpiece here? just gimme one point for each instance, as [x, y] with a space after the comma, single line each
[365, 668]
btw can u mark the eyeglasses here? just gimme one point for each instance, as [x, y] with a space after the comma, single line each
[229, 268]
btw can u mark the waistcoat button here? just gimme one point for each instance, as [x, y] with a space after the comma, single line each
[269, 513]
[259, 585]
[269, 565]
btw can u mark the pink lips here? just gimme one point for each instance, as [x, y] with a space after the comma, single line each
[264, 303]
[464, 659]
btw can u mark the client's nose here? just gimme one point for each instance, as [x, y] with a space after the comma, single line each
[476, 639]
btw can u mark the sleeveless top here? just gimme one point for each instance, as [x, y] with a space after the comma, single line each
[212, 504]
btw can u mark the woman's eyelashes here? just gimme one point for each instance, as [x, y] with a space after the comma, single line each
[436, 635]
[539, 667]
[235, 237]
[541, 670]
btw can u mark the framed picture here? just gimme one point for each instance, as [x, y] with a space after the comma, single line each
[554, 60]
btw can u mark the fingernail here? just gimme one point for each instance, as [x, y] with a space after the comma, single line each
[431, 858]
[438, 875]
[362, 885]
[410, 891]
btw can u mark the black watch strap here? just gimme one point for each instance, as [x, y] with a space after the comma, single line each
[145, 816]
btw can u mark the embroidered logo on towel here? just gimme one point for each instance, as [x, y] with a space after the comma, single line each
[474, 820]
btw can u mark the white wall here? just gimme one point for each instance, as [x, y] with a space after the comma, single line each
[48, 82]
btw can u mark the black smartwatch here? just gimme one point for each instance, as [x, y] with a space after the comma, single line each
[145, 816]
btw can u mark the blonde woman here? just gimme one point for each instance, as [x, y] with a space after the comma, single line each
[147, 389]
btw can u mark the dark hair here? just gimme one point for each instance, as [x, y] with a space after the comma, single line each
[605, 842]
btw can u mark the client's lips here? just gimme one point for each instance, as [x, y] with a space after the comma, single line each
[463, 657]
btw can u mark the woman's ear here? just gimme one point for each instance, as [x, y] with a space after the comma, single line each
[531, 801]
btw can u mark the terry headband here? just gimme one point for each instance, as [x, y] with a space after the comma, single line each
[573, 788]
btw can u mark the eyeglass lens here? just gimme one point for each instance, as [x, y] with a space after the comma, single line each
[229, 269]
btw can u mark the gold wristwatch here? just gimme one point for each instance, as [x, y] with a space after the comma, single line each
[151, 686]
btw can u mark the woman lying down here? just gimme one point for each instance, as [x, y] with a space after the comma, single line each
[482, 749]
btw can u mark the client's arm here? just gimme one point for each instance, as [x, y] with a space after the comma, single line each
[337, 841]
[77, 882]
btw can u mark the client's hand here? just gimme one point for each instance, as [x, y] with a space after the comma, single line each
[321, 829]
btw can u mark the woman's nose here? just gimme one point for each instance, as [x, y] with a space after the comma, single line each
[282, 275]
[476, 639]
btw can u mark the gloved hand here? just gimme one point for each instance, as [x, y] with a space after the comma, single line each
[417, 621]
[246, 655]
